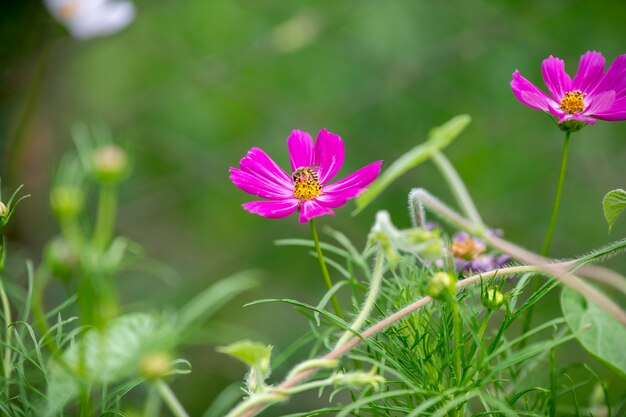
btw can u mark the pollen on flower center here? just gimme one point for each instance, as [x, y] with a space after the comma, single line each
[306, 185]
[466, 248]
[573, 102]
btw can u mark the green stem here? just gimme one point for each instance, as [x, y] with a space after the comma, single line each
[368, 304]
[170, 399]
[458, 345]
[548, 239]
[105, 222]
[6, 308]
[39, 312]
[152, 405]
[557, 197]
[327, 280]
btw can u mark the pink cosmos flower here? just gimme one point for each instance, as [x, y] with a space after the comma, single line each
[307, 188]
[592, 94]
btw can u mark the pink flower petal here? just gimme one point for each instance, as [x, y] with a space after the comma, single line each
[557, 81]
[600, 102]
[272, 209]
[259, 186]
[614, 78]
[590, 70]
[352, 185]
[259, 164]
[615, 113]
[527, 93]
[300, 149]
[329, 153]
[311, 209]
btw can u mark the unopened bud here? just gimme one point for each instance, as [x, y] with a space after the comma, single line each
[155, 365]
[441, 286]
[492, 299]
[109, 163]
[67, 201]
[60, 258]
[3, 210]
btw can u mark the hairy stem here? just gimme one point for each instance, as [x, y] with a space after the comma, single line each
[320, 258]
[555, 270]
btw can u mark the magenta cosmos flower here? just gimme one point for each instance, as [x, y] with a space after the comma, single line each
[307, 188]
[591, 94]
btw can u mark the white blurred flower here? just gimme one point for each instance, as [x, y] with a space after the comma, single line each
[92, 18]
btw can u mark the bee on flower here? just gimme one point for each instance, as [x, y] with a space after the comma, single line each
[308, 189]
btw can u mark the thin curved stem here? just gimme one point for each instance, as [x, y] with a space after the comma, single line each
[368, 304]
[557, 197]
[170, 399]
[324, 268]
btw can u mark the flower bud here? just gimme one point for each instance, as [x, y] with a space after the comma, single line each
[109, 163]
[155, 365]
[441, 286]
[3, 210]
[492, 299]
[67, 201]
[60, 258]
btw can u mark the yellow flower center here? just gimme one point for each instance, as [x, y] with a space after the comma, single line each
[573, 102]
[466, 249]
[306, 185]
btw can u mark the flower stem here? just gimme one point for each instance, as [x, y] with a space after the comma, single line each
[548, 239]
[327, 280]
[105, 223]
[557, 197]
[170, 399]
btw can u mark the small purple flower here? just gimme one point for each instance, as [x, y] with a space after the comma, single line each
[592, 94]
[313, 165]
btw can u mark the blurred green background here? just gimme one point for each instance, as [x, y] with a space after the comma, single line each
[192, 85]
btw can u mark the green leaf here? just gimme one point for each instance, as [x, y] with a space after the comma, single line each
[251, 353]
[213, 298]
[438, 138]
[103, 356]
[596, 330]
[614, 203]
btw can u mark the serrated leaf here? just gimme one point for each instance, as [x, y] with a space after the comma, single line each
[438, 138]
[251, 353]
[596, 330]
[614, 203]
